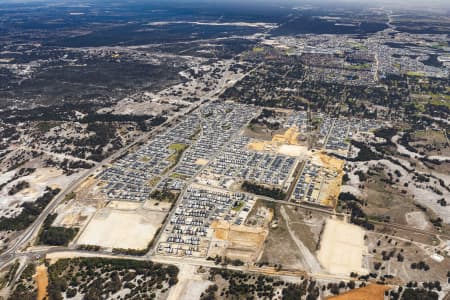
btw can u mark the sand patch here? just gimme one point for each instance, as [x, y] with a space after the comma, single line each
[258, 146]
[41, 278]
[371, 292]
[288, 138]
[329, 162]
[294, 150]
[190, 284]
[113, 228]
[331, 179]
[124, 205]
[201, 161]
[342, 248]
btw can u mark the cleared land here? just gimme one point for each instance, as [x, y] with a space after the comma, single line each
[239, 242]
[190, 284]
[289, 137]
[342, 248]
[112, 228]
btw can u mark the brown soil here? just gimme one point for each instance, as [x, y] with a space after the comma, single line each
[371, 292]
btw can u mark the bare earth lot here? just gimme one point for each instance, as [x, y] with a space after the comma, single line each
[113, 228]
[342, 248]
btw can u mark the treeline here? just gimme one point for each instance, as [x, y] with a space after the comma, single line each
[262, 119]
[22, 185]
[99, 278]
[365, 153]
[30, 211]
[68, 166]
[257, 189]
[25, 289]
[358, 216]
[21, 173]
[55, 235]
[386, 133]
[164, 195]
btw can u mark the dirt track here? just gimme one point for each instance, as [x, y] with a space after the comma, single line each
[41, 279]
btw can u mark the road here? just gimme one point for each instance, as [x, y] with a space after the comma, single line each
[16, 251]
[30, 233]
[61, 252]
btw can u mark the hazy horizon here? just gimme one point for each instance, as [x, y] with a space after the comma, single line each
[404, 4]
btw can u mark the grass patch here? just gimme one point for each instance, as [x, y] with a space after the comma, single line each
[69, 196]
[238, 206]
[432, 99]
[145, 159]
[415, 74]
[360, 66]
[154, 181]
[179, 176]
[179, 149]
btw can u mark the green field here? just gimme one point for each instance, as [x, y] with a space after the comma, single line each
[416, 74]
[179, 149]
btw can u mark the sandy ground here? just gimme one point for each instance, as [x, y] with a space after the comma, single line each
[41, 279]
[112, 228]
[237, 241]
[342, 248]
[353, 190]
[124, 205]
[38, 181]
[417, 219]
[190, 284]
[285, 143]
[294, 150]
[202, 161]
[371, 292]
[328, 187]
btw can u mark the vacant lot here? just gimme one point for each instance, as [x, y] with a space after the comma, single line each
[239, 241]
[113, 228]
[292, 239]
[342, 248]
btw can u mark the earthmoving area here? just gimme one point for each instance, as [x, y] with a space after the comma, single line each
[319, 182]
[237, 241]
[289, 137]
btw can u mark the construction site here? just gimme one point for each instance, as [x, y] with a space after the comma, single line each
[168, 193]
